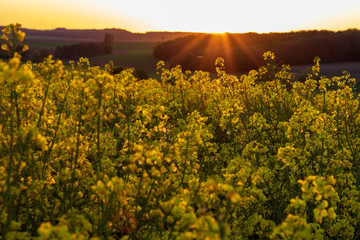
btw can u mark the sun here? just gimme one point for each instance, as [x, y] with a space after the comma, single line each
[202, 50]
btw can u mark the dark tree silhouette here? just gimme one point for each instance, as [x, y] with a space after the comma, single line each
[86, 49]
[243, 52]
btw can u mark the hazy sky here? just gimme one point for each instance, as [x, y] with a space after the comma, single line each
[185, 15]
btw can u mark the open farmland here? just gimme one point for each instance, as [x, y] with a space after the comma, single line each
[134, 54]
[138, 53]
[131, 54]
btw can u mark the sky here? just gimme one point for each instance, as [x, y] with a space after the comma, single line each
[214, 16]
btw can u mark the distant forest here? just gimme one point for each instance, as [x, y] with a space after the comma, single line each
[76, 43]
[120, 35]
[85, 49]
[243, 52]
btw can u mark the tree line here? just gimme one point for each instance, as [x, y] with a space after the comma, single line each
[85, 49]
[243, 52]
[73, 51]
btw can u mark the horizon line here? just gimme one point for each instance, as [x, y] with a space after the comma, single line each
[191, 32]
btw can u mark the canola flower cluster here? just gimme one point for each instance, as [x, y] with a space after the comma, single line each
[88, 155]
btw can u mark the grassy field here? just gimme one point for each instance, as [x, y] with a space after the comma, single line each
[130, 54]
[49, 42]
[136, 55]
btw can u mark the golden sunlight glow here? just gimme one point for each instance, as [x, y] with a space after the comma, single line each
[187, 15]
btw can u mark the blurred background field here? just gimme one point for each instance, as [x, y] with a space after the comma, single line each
[137, 50]
[134, 54]
[137, 55]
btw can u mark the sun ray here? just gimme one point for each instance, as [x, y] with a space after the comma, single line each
[191, 46]
[255, 59]
[210, 52]
[228, 52]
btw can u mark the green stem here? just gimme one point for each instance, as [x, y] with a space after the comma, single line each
[42, 107]
[73, 165]
[98, 123]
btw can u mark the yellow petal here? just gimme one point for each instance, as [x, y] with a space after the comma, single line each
[4, 47]
[318, 197]
[25, 48]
